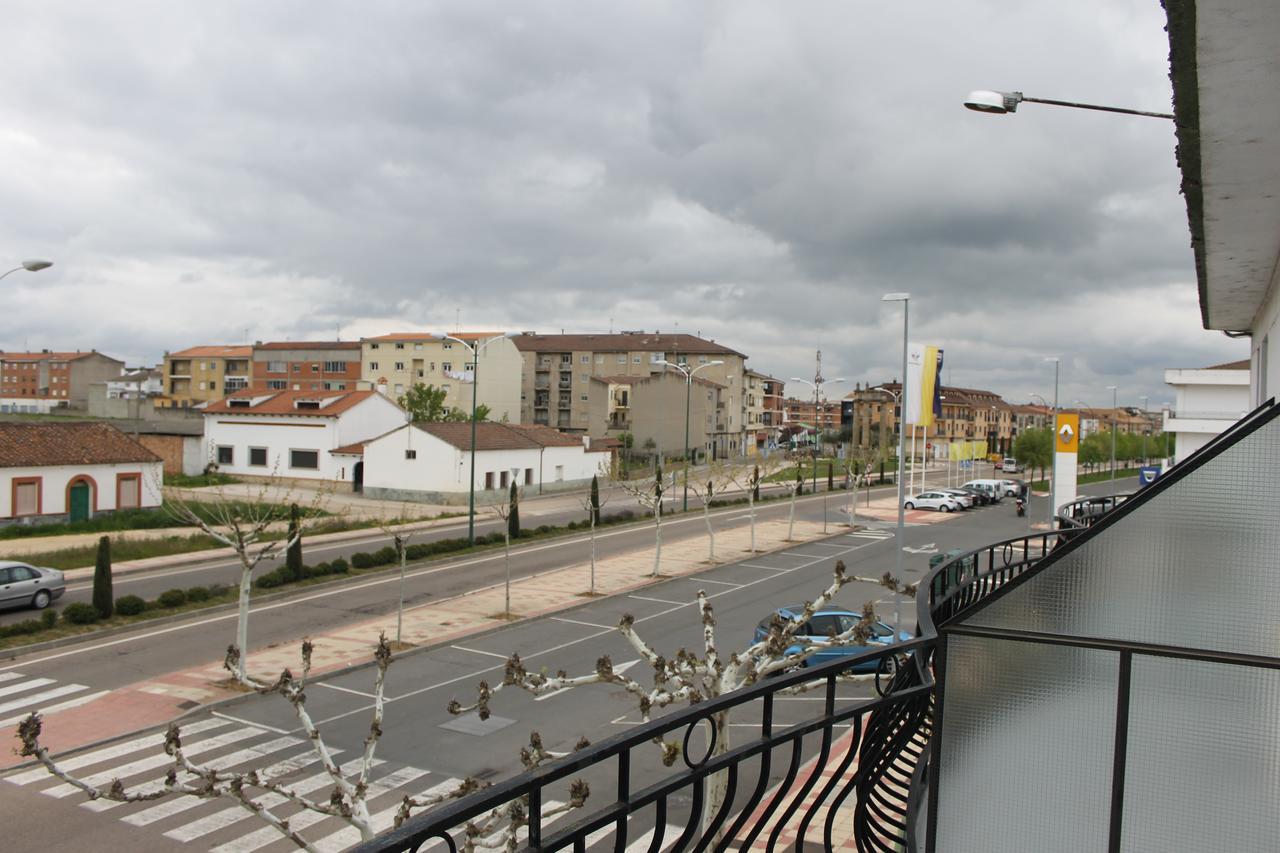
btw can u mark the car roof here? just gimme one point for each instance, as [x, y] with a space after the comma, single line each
[4, 564]
[794, 611]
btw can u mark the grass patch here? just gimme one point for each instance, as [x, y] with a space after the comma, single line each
[122, 550]
[142, 519]
[824, 465]
[1095, 477]
[198, 481]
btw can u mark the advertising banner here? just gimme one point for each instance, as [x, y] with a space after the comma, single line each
[924, 385]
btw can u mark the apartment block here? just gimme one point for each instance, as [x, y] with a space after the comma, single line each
[203, 374]
[651, 407]
[396, 362]
[305, 366]
[558, 387]
[40, 381]
[967, 414]
[763, 411]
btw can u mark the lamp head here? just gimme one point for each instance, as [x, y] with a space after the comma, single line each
[989, 101]
[35, 265]
[895, 297]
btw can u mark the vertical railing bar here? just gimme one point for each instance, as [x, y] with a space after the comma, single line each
[1120, 750]
[624, 794]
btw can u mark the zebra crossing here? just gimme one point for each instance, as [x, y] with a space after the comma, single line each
[221, 826]
[871, 533]
[21, 694]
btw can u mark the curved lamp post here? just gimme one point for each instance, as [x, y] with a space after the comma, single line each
[905, 299]
[31, 265]
[1000, 103]
[688, 390]
[475, 382]
[1053, 445]
[1115, 424]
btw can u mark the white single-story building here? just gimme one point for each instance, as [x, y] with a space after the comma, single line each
[1208, 401]
[297, 434]
[73, 471]
[430, 462]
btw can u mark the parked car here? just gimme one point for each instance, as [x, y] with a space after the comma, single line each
[23, 585]
[994, 488]
[966, 499]
[828, 621]
[980, 497]
[1012, 488]
[933, 500]
[1009, 465]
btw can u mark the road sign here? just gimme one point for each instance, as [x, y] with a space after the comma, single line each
[966, 464]
[1148, 474]
[928, 446]
[1067, 430]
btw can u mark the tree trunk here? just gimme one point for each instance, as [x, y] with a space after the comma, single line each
[711, 534]
[791, 522]
[751, 511]
[593, 551]
[657, 536]
[717, 783]
[242, 619]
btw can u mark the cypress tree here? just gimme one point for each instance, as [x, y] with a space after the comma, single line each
[755, 484]
[657, 486]
[513, 519]
[595, 500]
[830, 482]
[103, 599]
[293, 557]
[799, 477]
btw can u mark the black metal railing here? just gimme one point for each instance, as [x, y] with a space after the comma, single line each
[786, 783]
[1083, 512]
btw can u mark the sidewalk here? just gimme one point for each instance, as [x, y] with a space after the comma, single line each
[158, 700]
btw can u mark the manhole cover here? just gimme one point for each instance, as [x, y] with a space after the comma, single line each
[471, 724]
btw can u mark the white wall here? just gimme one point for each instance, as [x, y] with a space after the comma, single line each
[1207, 402]
[54, 480]
[1264, 370]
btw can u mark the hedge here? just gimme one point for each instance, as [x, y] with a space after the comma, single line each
[172, 598]
[130, 605]
[80, 613]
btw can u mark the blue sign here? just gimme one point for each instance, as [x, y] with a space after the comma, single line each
[1148, 474]
[966, 464]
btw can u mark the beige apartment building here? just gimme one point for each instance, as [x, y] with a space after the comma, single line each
[558, 388]
[651, 407]
[41, 381]
[396, 362]
[204, 374]
[968, 414]
[763, 409]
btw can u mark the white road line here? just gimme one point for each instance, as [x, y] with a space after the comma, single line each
[346, 689]
[178, 805]
[243, 722]
[151, 762]
[662, 601]
[10, 676]
[26, 685]
[64, 690]
[721, 583]
[107, 753]
[480, 652]
[813, 556]
[61, 706]
[235, 814]
[827, 544]
[583, 624]
[766, 568]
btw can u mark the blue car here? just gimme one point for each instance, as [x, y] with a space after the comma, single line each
[828, 621]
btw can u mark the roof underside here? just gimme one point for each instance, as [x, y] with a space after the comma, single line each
[1226, 79]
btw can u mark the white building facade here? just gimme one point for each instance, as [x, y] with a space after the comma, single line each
[297, 434]
[1208, 401]
[431, 463]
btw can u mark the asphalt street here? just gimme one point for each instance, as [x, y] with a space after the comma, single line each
[423, 746]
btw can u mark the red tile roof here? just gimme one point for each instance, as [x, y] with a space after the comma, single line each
[285, 403]
[41, 356]
[44, 444]
[356, 449]
[495, 436]
[1230, 365]
[434, 336]
[622, 342]
[214, 352]
[276, 345]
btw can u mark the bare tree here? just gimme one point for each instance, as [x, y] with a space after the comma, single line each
[593, 503]
[503, 510]
[719, 479]
[245, 526]
[260, 792]
[748, 478]
[648, 493]
[400, 540]
[793, 488]
[693, 678]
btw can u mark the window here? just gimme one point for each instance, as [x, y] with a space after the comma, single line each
[399, 389]
[335, 386]
[635, 359]
[411, 454]
[505, 479]
[226, 454]
[584, 378]
[446, 366]
[213, 365]
[582, 397]
[447, 345]
[599, 359]
[559, 473]
[258, 457]
[315, 368]
[315, 386]
[399, 365]
[26, 496]
[202, 386]
[417, 346]
[488, 480]
[128, 491]
[297, 368]
[702, 359]
[566, 358]
[399, 346]
[373, 365]
[622, 359]
[335, 366]
[585, 359]
[277, 384]
[373, 346]
[528, 476]
[309, 459]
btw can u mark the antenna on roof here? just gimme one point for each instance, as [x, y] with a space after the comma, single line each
[611, 325]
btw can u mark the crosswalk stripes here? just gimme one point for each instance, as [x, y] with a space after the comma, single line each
[21, 695]
[871, 533]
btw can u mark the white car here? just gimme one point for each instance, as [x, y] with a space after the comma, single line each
[1012, 488]
[24, 585]
[966, 499]
[1009, 465]
[933, 500]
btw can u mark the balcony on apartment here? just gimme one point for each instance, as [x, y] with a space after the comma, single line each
[180, 369]
[1110, 684]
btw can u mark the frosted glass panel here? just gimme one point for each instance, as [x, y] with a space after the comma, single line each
[1197, 566]
[1203, 766]
[1027, 735]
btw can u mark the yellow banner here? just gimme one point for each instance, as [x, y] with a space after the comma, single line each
[959, 451]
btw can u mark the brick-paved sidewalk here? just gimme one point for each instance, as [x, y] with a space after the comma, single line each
[138, 706]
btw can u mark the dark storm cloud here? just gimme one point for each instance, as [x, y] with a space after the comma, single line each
[758, 172]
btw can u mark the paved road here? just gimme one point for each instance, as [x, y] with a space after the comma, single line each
[423, 746]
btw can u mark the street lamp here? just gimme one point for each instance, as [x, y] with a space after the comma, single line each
[688, 390]
[475, 382]
[1115, 422]
[999, 103]
[31, 265]
[1145, 427]
[905, 299]
[1053, 445]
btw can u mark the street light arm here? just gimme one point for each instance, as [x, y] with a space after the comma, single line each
[1098, 107]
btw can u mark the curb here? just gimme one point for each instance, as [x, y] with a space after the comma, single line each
[217, 704]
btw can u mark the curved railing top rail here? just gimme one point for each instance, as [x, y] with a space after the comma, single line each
[1083, 512]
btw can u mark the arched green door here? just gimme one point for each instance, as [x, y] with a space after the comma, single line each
[79, 508]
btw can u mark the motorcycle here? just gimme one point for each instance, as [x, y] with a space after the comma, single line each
[1022, 507]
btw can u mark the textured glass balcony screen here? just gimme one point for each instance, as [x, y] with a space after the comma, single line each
[1027, 735]
[1203, 759]
[1196, 566]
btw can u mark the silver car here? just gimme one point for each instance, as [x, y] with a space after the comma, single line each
[932, 500]
[23, 585]
[966, 499]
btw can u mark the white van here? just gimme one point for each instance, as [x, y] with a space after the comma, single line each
[1009, 465]
[994, 488]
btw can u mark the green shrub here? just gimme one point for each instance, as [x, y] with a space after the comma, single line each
[102, 595]
[130, 605]
[172, 598]
[339, 566]
[384, 556]
[417, 552]
[573, 525]
[319, 570]
[273, 578]
[49, 618]
[80, 613]
[198, 593]
[26, 626]
[363, 560]
[543, 529]
[217, 590]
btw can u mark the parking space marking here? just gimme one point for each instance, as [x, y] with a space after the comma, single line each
[721, 583]
[766, 568]
[363, 693]
[480, 652]
[580, 622]
[661, 601]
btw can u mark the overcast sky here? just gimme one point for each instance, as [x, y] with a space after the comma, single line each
[758, 172]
